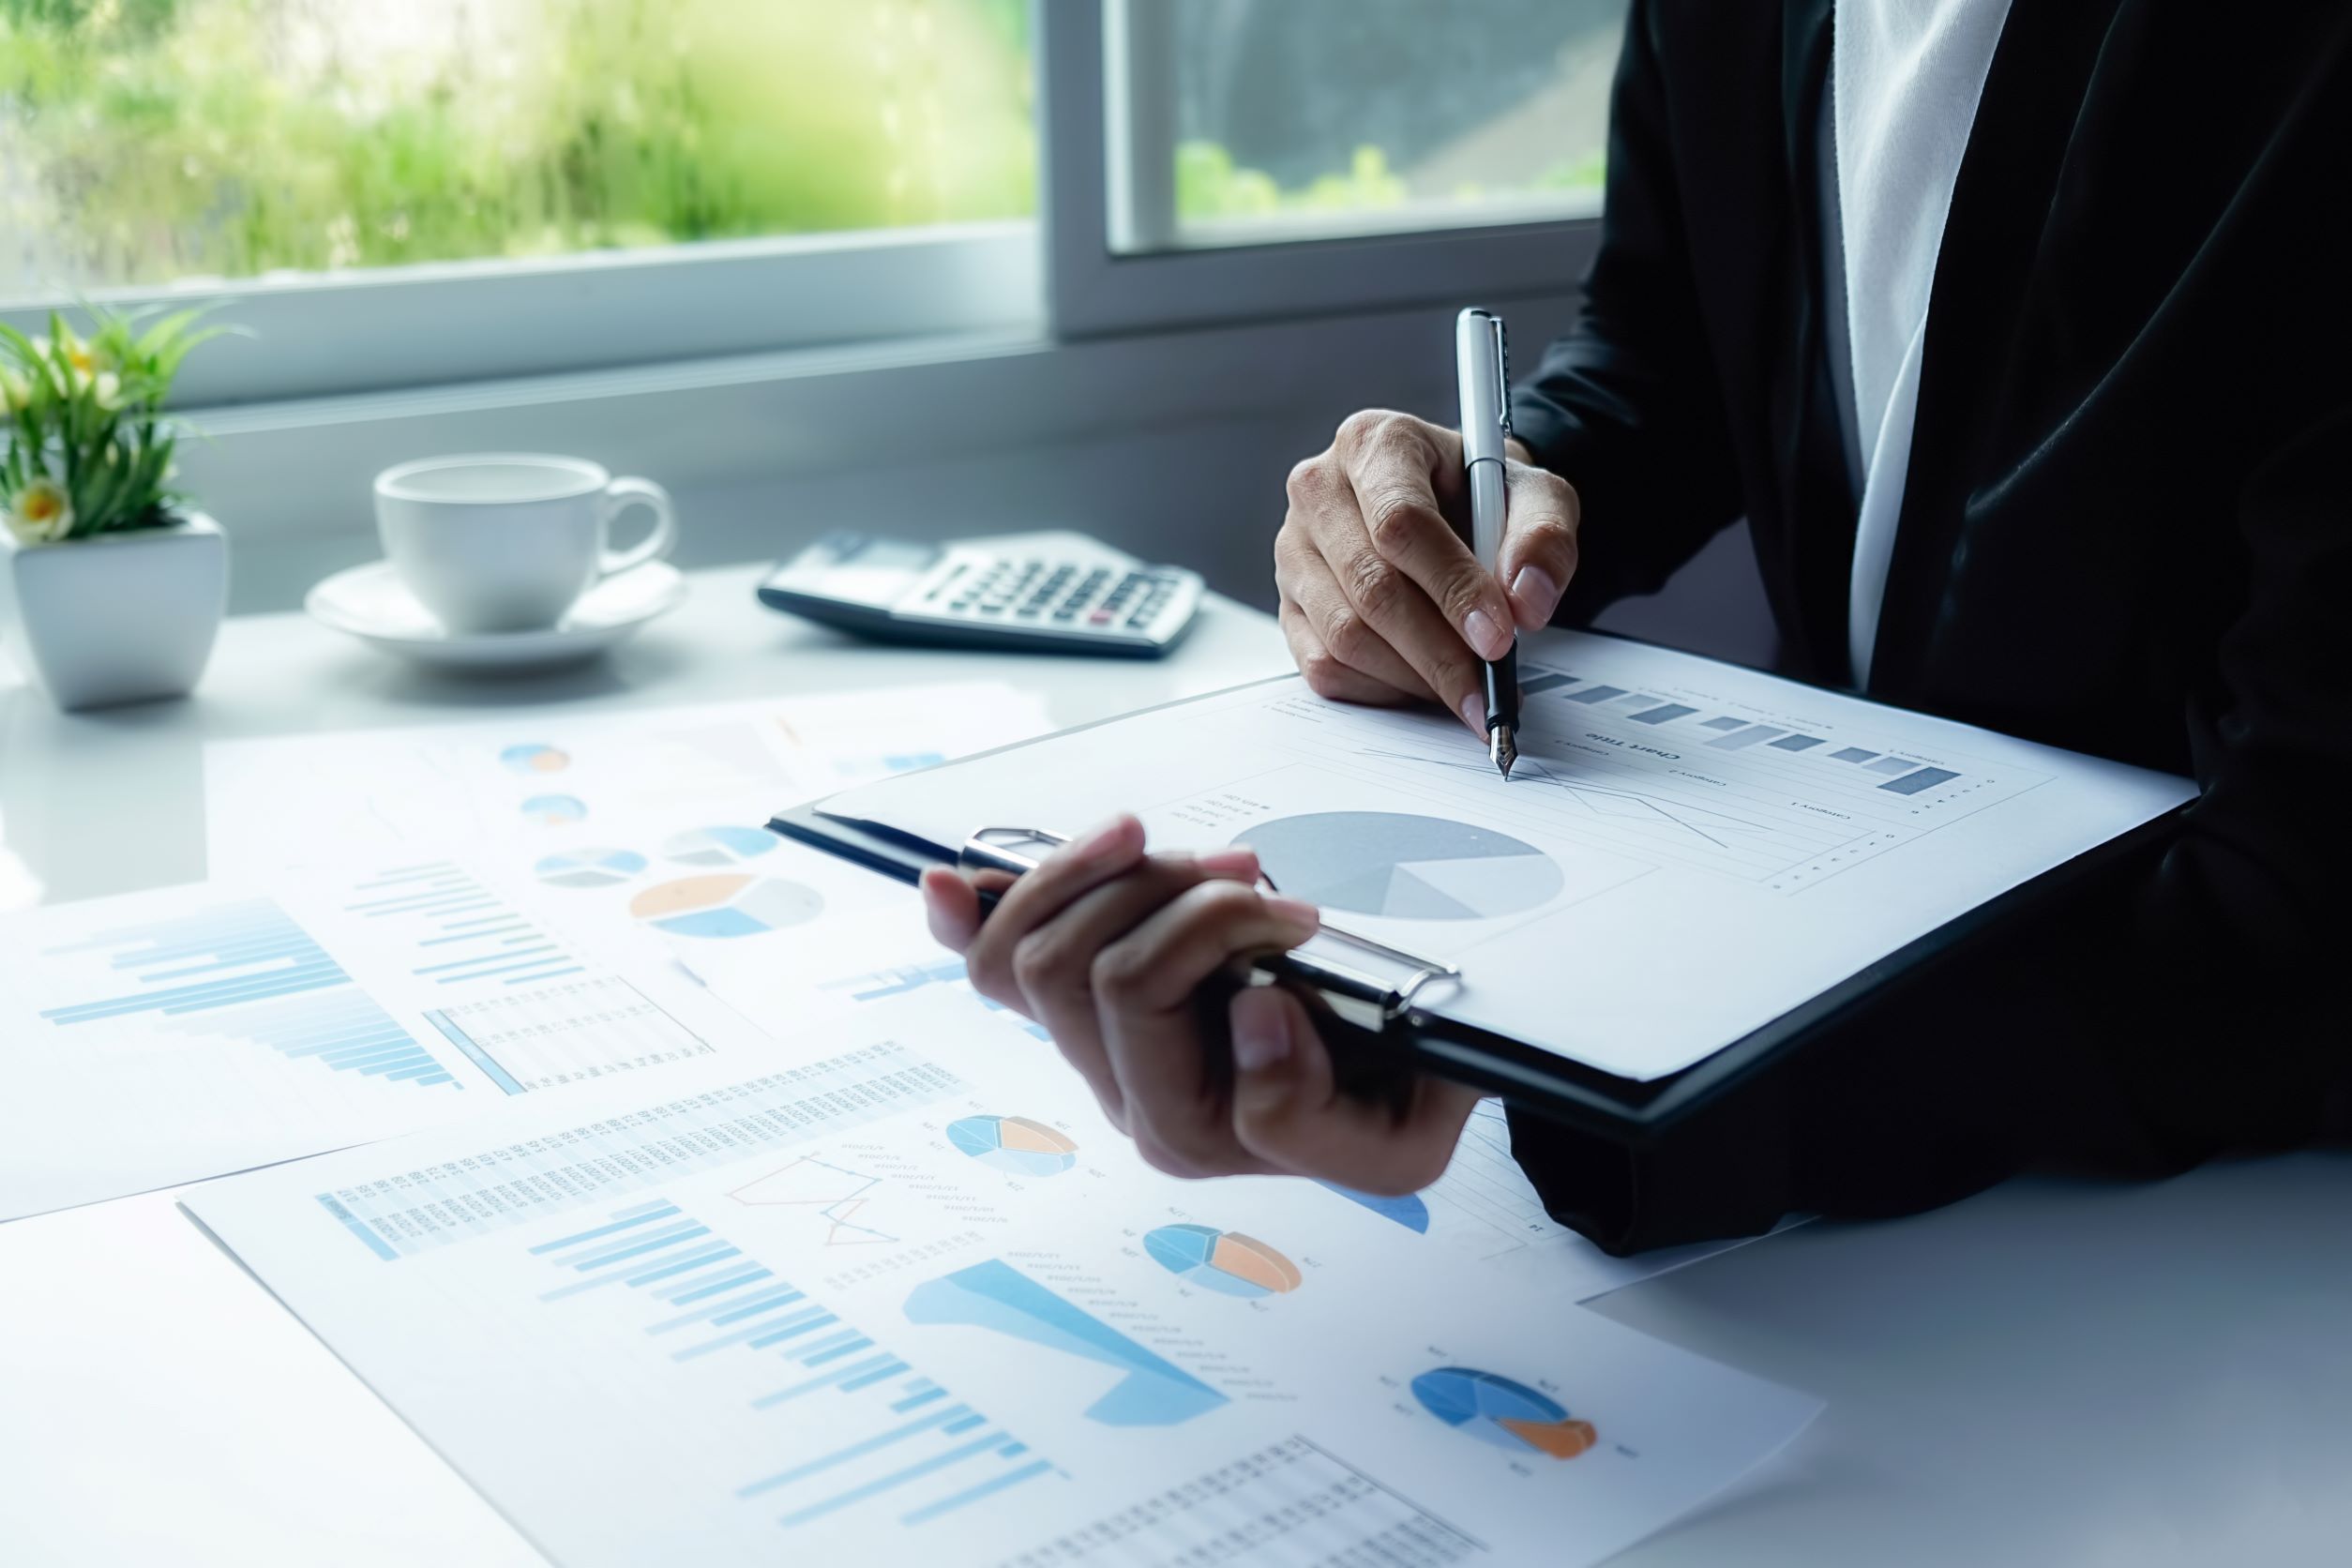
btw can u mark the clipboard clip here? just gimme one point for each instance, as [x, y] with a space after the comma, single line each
[1362, 996]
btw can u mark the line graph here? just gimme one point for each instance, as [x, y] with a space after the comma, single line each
[1786, 816]
[836, 1195]
[1603, 801]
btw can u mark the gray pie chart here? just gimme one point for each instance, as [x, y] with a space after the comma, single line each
[1403, 867]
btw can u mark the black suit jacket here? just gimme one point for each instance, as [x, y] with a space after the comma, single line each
[2127, 529]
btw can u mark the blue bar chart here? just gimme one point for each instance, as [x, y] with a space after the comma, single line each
[854, 1427]
[248, 972]
[457, 930]
[1898, 775]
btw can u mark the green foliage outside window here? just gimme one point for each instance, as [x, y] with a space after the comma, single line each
[147, 140]
[1210, 185]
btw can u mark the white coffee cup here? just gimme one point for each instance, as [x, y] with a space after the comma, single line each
[509, 541]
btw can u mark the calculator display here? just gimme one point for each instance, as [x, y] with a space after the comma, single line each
[873, 571]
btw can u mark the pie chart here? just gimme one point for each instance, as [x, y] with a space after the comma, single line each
[536, 758]
[554, 810]
[1013, 1144]
[1404, 867]
[1495, 1409]
[589, 867]
[719, 846]
[726, 905]
[1225, 1262]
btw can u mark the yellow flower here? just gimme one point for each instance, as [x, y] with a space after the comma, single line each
[15, 391]
[41, 513]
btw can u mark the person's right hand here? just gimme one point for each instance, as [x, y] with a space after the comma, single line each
[1381, 601]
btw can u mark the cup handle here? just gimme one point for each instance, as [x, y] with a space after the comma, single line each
[619, 497]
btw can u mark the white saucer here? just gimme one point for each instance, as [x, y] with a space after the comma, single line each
[373, 604]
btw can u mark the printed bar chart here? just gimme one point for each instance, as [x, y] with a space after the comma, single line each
[994, 1295]
[862, 1428]
[508, 1185]
[248, 972]
[459, 931]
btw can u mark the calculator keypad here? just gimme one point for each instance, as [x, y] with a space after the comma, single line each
[1060, 593]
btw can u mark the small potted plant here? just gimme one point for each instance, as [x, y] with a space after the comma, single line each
[111, 588]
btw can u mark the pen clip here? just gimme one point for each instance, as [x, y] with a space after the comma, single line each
[1503, 373]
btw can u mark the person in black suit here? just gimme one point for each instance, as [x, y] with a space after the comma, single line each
[2051, 435]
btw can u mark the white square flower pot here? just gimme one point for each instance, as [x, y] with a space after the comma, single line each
[117, 617]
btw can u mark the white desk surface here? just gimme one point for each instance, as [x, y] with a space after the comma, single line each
[2051, 1373]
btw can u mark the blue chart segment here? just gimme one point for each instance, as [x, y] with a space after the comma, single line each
[457, 930]
[1225, 1261]
[1154, 1392]
[1408, 1211]
[248, 972]
[863, 1431]
[554, 810]
[1501, 1411]
[588, 867]
[528, 759]
[1013, 1144]
[719, 846]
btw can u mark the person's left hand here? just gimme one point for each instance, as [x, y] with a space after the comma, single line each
[1106, 946]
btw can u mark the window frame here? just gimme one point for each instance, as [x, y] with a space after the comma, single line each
[383, 329]
[1113, 263]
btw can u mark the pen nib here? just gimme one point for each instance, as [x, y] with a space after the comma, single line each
[1502, 748]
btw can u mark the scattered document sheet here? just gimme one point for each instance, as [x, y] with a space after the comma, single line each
[169, 1036]
[1484, 1211]
[909, 1300]
[1686, 851]
[641, 829]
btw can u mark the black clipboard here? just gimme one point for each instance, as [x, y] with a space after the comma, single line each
[1378, 1029]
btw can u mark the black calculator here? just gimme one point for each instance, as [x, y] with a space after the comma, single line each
[1059, 593]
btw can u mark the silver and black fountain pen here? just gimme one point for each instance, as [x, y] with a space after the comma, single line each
[1483, 364]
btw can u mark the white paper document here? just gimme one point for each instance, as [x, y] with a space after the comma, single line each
[1483, 1211]
[169, 1037]
[1686, 850]
[642, 830]
[909, 1300]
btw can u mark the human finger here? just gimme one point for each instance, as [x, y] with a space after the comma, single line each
[1325, 675]
[1145, 987]
[1088, 861]
[1053, 963]
[1307, 583]
[1289, 1113]
[1541, 513]
[1394, 467]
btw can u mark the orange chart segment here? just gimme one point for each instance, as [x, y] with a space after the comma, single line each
[1019, 1132]
[1246, 1257]
[1561, 1440]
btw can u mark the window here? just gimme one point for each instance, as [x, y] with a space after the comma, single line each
[413, 193]
[1455, 151]
[274, 148]
[1252, 121]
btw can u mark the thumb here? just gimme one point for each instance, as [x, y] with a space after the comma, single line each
[1539, 542]
[1282, 1072]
